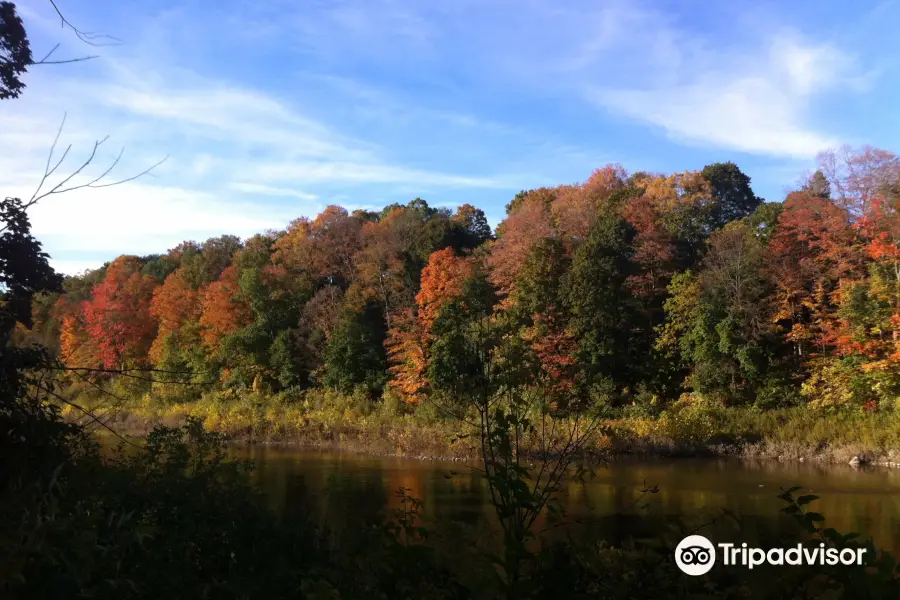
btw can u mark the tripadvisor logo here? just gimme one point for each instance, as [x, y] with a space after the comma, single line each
[696, 555]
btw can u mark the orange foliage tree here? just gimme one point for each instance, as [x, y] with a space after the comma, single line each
[222, 310]
[443, 280]
[174, 304]
[871, 306]
[576, 207]
[323, 248]
[813, 251]
[76, 347]
[380, 269]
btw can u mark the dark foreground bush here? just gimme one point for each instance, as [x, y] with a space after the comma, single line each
[175, 520]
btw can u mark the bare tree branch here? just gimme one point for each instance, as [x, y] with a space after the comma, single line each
[101, 419]
[129, 373]
[95, 183]
[132, 370]
[89, 414]
[47, 170]
[118, 403]
[46, 60]
[63, 187]
[89, 38]
[52, 50]
[63, 61]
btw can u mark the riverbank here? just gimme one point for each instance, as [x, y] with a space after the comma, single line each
[796, 434]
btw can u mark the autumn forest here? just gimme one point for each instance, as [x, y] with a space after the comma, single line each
[628, 290]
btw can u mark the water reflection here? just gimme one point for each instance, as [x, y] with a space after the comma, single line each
[345, 490]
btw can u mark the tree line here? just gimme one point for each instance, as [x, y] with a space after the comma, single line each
[624, 290]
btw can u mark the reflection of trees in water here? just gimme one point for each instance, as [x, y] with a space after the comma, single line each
[299, 498]
[348, 491]
[410, 479]
[353, 499]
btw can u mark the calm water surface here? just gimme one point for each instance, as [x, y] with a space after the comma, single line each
[341, 486]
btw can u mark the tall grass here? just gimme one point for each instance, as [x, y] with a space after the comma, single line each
[356, 423]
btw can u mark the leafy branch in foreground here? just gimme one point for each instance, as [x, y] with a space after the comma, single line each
[526, 450]
[879, 579]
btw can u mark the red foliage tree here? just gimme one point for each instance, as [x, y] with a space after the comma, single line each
[654, 249]
[118, 315]
[529, 221]
[880, 227]
[576, 207]
[555, 349]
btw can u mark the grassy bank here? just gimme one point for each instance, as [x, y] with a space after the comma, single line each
[326, 420]
[794, 434]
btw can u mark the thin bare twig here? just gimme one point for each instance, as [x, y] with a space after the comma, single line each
[64, 61]
[89, 414]
[46, 60]
[131, 370]
[118, 404]
[63, 187]
[89, 38]
[450, 413]
[130, 374]
[46, 56]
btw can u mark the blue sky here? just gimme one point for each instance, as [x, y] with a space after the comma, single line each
[269, 110]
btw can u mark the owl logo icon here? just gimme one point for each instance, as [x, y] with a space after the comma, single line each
[695, 555]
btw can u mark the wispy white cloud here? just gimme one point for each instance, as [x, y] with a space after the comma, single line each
[757, 103]
[753, 90]
[268, 190]
[225, 113]
[360, 173]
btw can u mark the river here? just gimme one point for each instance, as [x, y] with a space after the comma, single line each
[343, 486]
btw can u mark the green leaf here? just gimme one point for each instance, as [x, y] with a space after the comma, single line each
[815, 517]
